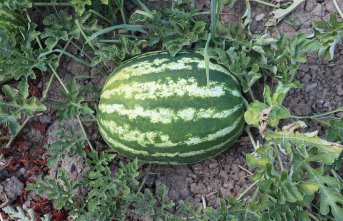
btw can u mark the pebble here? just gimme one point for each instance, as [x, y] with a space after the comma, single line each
[192, 175]
[10, 189]
[309, 87]
[213, 165]
[198, 188]
[317, 11]
[310, 5]
[260, 17]
[339, 89]
[330, 6]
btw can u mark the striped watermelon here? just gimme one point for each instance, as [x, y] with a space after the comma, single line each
[159, 109]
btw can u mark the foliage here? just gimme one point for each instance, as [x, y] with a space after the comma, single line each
[68, 143]
[294, 176]
[17, 103]
[73, 104]
[329, 33]
[335, 131]
[20, 215]
[174, 28]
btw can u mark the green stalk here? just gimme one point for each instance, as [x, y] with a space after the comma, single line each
[51, 4]
[280, 161]
[313, 217]
[84, 132]
[255, 194]
[100, 16]
[246, 103]
[338, 8]
[247, 190]
[207, 60]
[265, 3]
[83, 34]
[20, 128]
[319, 115]
[251, 94]
[247, 129]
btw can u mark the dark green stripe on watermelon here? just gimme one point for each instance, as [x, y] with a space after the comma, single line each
[157, 105]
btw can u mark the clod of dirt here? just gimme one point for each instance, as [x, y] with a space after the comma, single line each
[10, 189]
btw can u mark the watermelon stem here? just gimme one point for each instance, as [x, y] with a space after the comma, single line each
[51, 4]
[251, 94]
[247, 129]
[207, 60]
[247, 190]
[84, 132]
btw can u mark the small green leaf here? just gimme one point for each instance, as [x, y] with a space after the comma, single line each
[253, 114]
[309, 188]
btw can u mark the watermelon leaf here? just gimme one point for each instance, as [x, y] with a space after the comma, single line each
[331, 198]
[73, 105]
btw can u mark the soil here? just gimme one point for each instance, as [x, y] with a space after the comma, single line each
[203, 182]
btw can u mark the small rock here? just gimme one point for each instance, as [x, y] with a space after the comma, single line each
[310, 5]
[302, 109]
[224, 192]
[260, 17]
[10, 189]
[339, 89]
[330, 6]
[197, 167]
[213, 165]
[223, 174]
[309, 87]
[198, 188]
[327, 104]
[317, 11]
[192, 175]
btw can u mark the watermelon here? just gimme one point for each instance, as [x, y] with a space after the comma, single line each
[159, 109]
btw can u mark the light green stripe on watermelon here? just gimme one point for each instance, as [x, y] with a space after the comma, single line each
[159, 65]
[161, 154]
[125, 132]
[175, 157]
[159, 109]
[170, 88]
[167, 115]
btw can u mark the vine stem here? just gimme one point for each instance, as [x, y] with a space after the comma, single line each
[280, 161]
[247, 190]
[255, 194]
[50, 4]
[144, 179]
[313, 217]
[265, 3]
[84, 132]
[338, 8]
[319, 115]
[251, 94]
[247, 129]
[20, 128]
[64, 87]
[44, 94]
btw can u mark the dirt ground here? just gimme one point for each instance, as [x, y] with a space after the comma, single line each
[203, 182]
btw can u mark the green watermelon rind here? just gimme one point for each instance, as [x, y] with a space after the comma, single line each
[157, 150]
